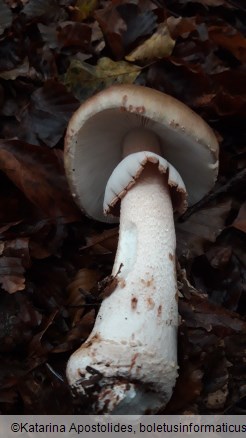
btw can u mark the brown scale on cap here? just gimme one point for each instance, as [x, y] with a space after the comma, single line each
[150, 303]
[134, 302]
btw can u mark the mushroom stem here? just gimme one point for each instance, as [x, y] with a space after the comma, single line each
[129, 362]
[141, 139]
[132, 348]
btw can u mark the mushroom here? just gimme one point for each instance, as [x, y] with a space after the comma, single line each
[136, 155]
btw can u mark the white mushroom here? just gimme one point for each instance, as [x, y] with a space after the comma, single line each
[115, 144]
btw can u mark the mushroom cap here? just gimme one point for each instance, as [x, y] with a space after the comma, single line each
[95, 134]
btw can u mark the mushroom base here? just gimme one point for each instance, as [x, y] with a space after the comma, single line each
[129, 362]
[123, 379]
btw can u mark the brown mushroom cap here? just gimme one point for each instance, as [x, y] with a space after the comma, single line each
[93, 142]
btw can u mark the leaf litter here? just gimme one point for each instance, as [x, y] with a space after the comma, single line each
[55, 264]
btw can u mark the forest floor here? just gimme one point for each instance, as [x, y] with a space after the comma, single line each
[53, 260]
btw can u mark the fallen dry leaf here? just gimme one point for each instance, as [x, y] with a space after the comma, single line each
[230, 39]
[75, 35]
[48, 112]
[14, 260]
[84, 79]
[39, 174]
[22, 70]
[208, 316]
[12, 274]
[159, 45]
[78, 333]
[5, 17]
[79, 296]
[212, 3]
[201, 227]
[46, 10]
[18, 319]
[181, 26]
[83, 9]
[240, 221]
[123, 24]
[103, 242]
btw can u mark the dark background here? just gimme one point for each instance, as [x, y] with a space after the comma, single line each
[53, 55]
